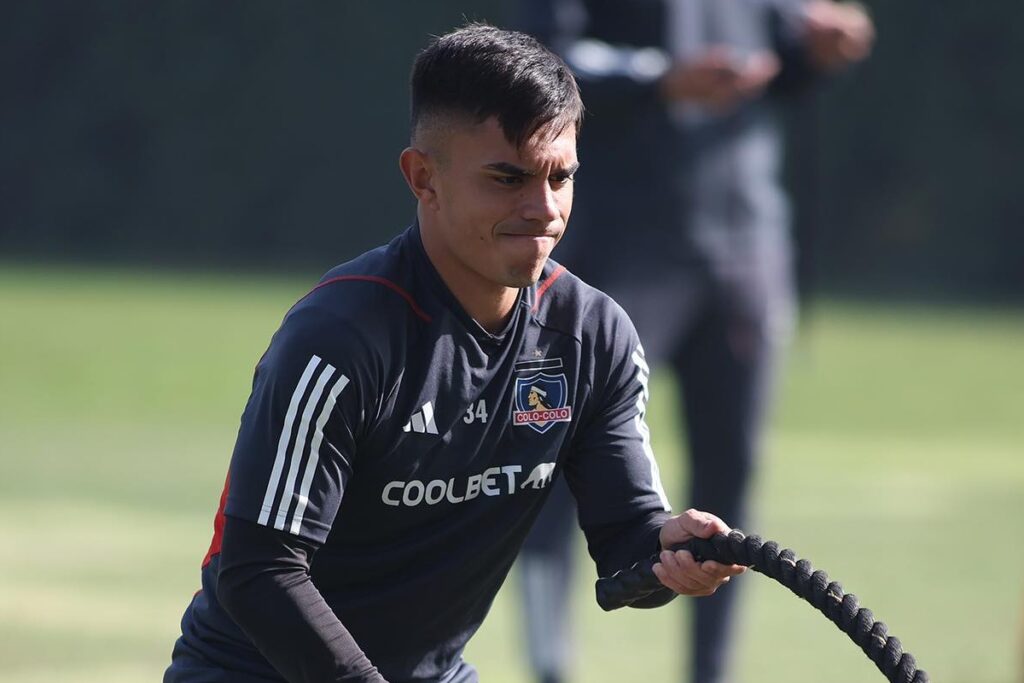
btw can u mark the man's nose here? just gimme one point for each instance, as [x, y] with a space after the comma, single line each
[540, 202]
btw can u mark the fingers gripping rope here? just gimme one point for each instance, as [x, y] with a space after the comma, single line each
[629, 585]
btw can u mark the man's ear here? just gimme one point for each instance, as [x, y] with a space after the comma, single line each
[419, 169]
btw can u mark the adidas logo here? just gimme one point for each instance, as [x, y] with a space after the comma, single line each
[422, 421]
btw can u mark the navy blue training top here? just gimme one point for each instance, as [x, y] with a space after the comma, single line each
[415, 449]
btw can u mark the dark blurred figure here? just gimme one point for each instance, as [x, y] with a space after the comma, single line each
[680, 215]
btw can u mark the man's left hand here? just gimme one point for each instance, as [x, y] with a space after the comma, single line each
[678, 570]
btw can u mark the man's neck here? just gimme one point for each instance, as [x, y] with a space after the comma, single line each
[490, 305]
[492, 315]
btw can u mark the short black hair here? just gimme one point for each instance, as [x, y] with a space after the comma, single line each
[479, 71]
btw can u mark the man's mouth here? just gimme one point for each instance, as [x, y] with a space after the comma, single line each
[532, 234]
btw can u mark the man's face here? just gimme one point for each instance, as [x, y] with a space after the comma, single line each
[499, 210]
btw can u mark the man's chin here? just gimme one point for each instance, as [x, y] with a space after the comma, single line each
[528, 276]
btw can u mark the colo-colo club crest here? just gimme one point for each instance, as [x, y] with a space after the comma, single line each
[541, 401]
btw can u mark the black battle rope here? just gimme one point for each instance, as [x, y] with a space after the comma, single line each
[629, 585]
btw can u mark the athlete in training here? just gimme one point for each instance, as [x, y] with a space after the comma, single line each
[390, 461]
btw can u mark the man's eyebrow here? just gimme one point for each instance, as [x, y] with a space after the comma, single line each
[513, 170]
[508, 169]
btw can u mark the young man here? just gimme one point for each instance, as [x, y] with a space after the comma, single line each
[390, 462]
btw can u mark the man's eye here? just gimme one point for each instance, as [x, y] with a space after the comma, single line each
[508, 180]
[561, 179]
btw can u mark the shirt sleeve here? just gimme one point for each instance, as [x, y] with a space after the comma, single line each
[611, 470]
[297, 441]
[611, 77]
[265, 586]
[787, 22]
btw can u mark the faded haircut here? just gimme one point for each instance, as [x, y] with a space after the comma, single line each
[479, 71]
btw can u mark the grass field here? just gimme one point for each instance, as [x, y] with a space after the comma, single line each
[895, 462]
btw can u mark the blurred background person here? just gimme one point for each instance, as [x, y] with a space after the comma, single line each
[694, 242]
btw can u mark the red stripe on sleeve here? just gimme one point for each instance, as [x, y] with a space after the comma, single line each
[218, 525]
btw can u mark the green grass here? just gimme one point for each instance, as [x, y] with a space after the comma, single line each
[895, 462]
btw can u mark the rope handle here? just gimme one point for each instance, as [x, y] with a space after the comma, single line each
[638, 581]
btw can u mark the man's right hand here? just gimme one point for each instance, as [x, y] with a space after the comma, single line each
[838, 34]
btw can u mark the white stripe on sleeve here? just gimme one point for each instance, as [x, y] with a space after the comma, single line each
[282, 442]
[638, 358]
[640, 421]
[314, 452]
[300, 445]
